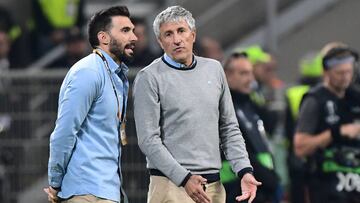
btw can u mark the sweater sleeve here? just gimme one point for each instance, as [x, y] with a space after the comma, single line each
[231, 139]
[147, 119]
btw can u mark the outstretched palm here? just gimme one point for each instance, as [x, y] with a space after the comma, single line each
[248, 188]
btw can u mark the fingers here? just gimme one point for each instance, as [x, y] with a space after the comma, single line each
[244, 196]
[194, 188]
[52, 197]
[47, 190]
[200, 179]
[255, 182]
[52, 200]
[250, 179]
[200, 197]
[252, 196]
[203, 196]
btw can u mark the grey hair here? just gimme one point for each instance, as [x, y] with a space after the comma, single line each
[173, 14]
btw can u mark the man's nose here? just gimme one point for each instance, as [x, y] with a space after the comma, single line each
[177, 39]
[133, 37]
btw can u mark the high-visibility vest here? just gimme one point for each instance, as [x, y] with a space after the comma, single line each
[295, 95]
[60, 13]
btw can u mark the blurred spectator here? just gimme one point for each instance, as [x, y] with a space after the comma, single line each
[311, 74]
[76, 47]
[4, 51]
[4, 59]
[271, 79]
[52, 18]
[16, 38]
[4, 118]
[239, 73]
[263, 68]
[143, 54]
[7, 23]
[211, 48]
[352, 95]
[327, 134]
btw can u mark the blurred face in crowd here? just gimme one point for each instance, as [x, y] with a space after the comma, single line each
[264, 72]
[121, 38]
[140, 32]
[239, 75]
[259, 72]
[77, 49]
[211, 49]
[338, 78]
[177, 39]
[4, 45]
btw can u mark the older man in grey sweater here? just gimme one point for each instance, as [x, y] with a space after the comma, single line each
[184, 115]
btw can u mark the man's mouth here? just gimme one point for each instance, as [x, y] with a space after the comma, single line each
[130, 46]
[177, 49]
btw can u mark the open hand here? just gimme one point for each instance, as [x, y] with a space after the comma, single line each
[248, 188]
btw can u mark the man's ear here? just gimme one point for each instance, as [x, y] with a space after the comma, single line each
[194, 35]
[103, 38]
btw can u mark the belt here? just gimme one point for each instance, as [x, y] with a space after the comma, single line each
[210, 177]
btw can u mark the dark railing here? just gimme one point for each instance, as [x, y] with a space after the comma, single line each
[28, 107]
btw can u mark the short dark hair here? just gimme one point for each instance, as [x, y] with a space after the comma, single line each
[233, 56]
[101, 21]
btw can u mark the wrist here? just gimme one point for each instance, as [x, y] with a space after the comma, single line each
[55, 188]
[244, 171]
[186, 179]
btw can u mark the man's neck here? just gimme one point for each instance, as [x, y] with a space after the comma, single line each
[106, 49]
[178, 63]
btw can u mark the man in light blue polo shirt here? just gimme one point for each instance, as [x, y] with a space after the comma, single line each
[85, 146]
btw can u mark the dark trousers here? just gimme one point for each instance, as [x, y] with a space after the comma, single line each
[297, 186]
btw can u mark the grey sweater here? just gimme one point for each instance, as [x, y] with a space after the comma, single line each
[184, 116]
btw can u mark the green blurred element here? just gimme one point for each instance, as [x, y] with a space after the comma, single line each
[255, 54]
[61, 14]
[30, 24]
[295, 95]
[226, 173]
[14, 32]
[331, 166]
[265, 160]
[311, 67]
[258, 98]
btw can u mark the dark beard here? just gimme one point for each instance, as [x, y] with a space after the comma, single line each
[115, 48]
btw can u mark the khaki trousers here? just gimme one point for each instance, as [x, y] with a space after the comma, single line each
[86, 199]
[163, 190]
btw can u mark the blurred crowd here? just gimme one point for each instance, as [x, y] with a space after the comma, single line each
[252, 76]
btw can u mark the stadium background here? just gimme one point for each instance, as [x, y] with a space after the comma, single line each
[286, 28]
